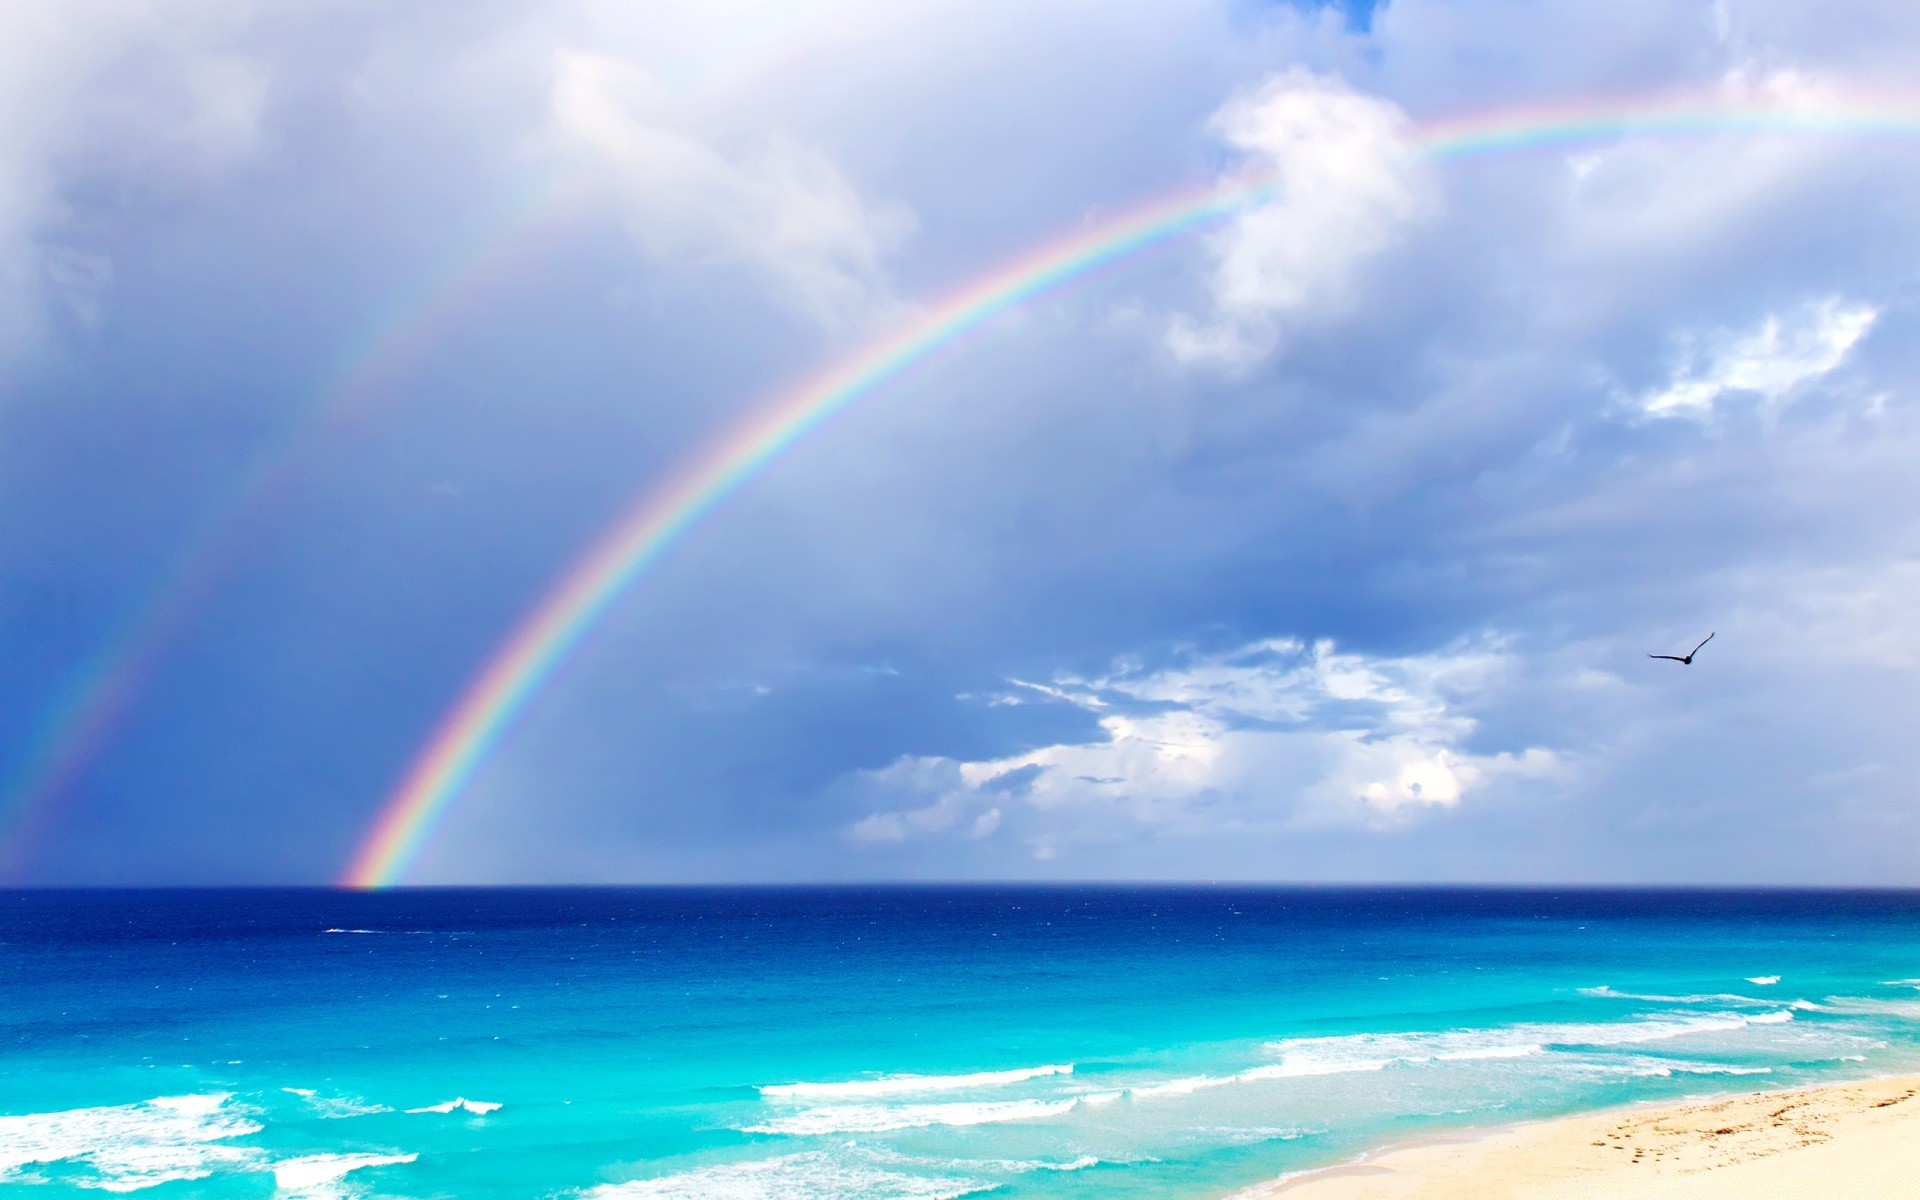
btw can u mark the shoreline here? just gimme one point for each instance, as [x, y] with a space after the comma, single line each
[1841, 1140]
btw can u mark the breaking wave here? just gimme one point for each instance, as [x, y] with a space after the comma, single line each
[134, 1146]
[478, 1108]
[335, 1108]
[1374, 1051]
[814, 1175]
[881, 1118]
[900, 1085]
[313, 1175]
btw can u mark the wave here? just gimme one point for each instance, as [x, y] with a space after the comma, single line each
[882, 1118]
[815, 1175]
[1185, 1086]
[334, 1108]
[1078, 1164]
[1307, 1067]
[312, 1175]
[900, 1085]
[1606, 993]
[134, 1146]
[478, 1108]
[1298, 1058]
[1375, 1051]
[1661, 1068]
[1763, 980]
[1867, 1005]
[353, 931]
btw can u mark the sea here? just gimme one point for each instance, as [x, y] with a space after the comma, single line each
[890, 1043]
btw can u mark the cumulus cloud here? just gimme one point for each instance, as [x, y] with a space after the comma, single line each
[1278, 732]
[1770, 361]
[1346, 182]
[780, 207]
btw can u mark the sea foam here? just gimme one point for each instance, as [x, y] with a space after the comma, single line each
[1606, 993]
[900, 1085]
[1347, 1053]
[815, 1175]
[881, 1118]
[478, 1108]
[334, 1108]
[134, 1146]
[315, 1174]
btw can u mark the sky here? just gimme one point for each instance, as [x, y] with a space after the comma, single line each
[1326, 541]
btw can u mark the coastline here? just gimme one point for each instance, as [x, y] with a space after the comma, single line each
[1842, 1141]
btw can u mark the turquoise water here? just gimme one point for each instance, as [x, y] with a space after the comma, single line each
[889, 1043]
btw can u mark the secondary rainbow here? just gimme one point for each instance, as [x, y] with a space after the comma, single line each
[101, 694]
[558, 623]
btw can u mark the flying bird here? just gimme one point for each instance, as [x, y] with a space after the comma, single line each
[1688, 660]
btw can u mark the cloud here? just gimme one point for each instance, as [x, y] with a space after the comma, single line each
[1275, 733]
[1347, 183]
[1440, 451]
[107, 93]
[780, 207]
[1769, 361]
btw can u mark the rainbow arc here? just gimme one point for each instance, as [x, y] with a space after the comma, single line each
[665, 512]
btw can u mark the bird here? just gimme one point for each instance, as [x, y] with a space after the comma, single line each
[1688, 660]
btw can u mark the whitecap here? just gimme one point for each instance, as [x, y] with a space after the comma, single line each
[314, 1174]
[1356, 1052]
[1606, 993]
[814, 1175]
[478, 1108]
[881, 1118]
[899, 1085]
[1020, 1166]
[133, 1146]
[1661, 1068]
[1866, 1005]
[1763, 980]
[334, 1108]
[1184, 1086]
[1078, 1164]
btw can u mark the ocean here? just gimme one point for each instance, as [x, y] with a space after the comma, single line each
[906, 1043]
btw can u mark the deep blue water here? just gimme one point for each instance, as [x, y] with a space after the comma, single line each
[889, 1042]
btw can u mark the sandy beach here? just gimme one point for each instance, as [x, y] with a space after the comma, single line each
[1843, 1141]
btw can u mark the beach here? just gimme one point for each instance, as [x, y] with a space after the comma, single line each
[1839, 1141]
[926, 1043]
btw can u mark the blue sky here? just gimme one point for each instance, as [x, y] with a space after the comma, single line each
[1326, 545]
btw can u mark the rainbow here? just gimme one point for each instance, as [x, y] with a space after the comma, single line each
[663, 514]
[93, 704]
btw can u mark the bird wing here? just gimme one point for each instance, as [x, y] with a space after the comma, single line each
[1703, 641]
[1674, 657]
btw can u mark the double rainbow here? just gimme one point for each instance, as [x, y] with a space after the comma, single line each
[663, 514]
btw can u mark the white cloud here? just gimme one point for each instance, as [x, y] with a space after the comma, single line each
[1274, 733]
[113, 90]
[781, 207]
[1347, 182]
[1770, 361]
